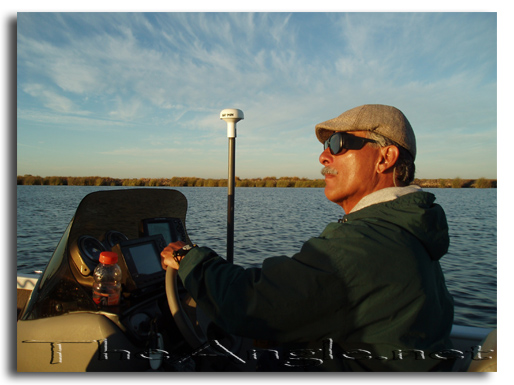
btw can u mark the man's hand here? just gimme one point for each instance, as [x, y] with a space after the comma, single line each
[167, 258]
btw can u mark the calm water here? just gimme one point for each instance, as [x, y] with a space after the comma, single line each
[276, 221]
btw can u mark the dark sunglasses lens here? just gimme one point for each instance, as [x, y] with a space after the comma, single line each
[339, 141]
[335, 143]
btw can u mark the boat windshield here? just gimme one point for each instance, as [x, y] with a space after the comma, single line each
[103, 221]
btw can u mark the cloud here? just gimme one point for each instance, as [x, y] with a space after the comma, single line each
[126, 110]
[53, 100]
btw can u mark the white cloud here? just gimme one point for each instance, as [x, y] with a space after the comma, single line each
[53, 100]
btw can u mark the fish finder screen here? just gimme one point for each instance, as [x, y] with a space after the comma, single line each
[146, 258]
[142, 258]
[164, 228]
[170, 228]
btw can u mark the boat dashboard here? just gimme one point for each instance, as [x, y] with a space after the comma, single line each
[137, 224]
[138, 258]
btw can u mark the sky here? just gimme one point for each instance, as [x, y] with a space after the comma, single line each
[139, 95]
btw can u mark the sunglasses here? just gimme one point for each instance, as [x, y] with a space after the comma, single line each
[340, 141]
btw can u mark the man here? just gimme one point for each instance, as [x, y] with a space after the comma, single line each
[368, 294]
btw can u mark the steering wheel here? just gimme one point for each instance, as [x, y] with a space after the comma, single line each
[196, 328]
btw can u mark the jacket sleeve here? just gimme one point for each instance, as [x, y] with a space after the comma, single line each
[284, 301]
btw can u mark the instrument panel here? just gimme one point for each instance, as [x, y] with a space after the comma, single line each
[90, 247]
[139, 258]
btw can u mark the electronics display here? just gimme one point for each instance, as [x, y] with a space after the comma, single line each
[143, 259]
[170, 228]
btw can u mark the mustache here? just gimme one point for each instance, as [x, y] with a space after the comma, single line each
[328, 171]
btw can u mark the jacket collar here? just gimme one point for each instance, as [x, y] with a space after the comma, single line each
[385, 195]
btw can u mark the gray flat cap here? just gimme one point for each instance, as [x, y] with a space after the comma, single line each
[384, 120]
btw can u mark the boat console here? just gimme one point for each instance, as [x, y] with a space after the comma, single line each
[138, 258]
[136, 224]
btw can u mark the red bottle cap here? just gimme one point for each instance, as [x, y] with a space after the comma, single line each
[108, 257]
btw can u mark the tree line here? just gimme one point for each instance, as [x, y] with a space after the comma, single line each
[254, 182]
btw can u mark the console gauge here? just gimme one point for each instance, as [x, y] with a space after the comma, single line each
[90, 247]
[112, 238]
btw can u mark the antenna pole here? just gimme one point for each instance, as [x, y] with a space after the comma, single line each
[230, 203]
[231, 116]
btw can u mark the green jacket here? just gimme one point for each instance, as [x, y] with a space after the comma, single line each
[359, 297]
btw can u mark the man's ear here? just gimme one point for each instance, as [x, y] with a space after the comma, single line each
[388, 157]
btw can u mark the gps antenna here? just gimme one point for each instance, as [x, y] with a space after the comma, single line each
[231, 116]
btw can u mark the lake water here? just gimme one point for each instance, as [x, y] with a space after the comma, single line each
[277, 221]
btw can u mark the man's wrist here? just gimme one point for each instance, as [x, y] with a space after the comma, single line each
[181, 253]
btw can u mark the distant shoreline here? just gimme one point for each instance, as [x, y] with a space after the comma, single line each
[255, 182]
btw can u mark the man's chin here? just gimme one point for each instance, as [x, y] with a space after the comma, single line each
[329, 191]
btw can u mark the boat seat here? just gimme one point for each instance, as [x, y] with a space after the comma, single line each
[489, 347]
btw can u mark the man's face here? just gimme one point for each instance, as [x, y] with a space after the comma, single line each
[354, 174]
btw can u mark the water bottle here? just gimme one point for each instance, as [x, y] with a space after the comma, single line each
[107, 285]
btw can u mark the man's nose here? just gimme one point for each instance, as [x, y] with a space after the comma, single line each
[326, 157]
